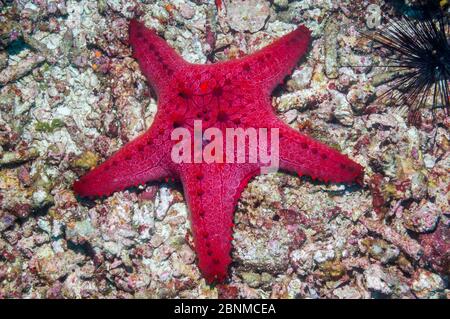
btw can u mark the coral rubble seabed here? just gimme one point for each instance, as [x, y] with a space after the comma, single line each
[71, 95]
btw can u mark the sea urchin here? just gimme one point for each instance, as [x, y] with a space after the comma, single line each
[420, 60]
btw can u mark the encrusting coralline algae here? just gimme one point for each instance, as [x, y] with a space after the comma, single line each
[71, 95]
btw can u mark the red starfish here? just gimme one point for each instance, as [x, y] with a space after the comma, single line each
[230, 94]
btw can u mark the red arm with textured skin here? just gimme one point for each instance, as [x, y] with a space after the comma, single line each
[212, 191]
[144, 159]
[305, 156]
[269, 66]
[158, 61]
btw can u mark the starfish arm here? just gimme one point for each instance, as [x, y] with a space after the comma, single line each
[270, 65]
[305, 156]
[212, 191]
[140, 161]
[157, 60]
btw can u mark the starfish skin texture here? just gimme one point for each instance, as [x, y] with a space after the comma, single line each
[230, 94]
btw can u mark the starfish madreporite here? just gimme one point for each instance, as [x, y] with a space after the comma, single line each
[231, 94]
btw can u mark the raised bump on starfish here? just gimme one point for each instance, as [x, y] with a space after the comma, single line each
[231, 94]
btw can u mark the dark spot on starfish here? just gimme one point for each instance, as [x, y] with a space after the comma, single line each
[139, 34]
[304, 145]
[209, 252]
[128, 157]
[246, 67]
[114, 163]
[227, 82]
[314, 151]
[199, 176]
[184, 95]
[324, 156]
[342, 166]
[151, 46]
[237, 121]
[200, 192]
[222, 116]
[216, 261]
[170, 72]
[149, 141]
[177, 123]
[217, 91]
